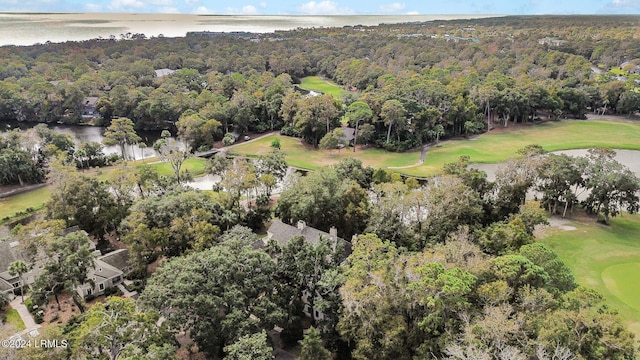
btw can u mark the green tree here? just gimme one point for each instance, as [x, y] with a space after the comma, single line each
[217, 295]
[116, 329]
[69, 262]
[275, 144]
[250, 347]
[83, 200]
[19, 267]
[612, 186]
[121, 132]
[174, 153]
[329, 142]
[357, 112]
[393, 113]
[560, 176]
[312, 348]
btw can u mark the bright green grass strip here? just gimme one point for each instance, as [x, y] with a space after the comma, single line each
[195, 166]
[605, 258]
[35, 198]
[14, 320]
[618, 71]
[20, 202]
[316, 83]
[552, 136]
[298, 155]
[623, 281]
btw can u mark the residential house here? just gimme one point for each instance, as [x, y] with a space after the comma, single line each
[349, 135]
[163, 72]
[552, 41]
[9, 252]
[108, 271]
[89, 110]
[283, 233]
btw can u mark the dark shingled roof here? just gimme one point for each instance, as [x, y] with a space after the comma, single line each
[349, 133]
[7, 256]
[282, 233]
[118, 259]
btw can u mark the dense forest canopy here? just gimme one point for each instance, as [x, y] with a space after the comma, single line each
[447, 268]
[445, 78]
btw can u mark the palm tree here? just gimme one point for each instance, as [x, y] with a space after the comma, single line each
[18, 268]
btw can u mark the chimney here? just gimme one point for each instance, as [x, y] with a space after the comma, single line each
[333, 232]
[301, 225]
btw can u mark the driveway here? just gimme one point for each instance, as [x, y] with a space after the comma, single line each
[25, 315]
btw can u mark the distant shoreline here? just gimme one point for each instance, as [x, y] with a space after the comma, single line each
[24, 29]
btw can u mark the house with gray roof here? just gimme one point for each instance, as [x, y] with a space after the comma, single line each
[349, 135]
[89, 110]
[108, 271]
[283, 233]
[163, 72]
[10, 252]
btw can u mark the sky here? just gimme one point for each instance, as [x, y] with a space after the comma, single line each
[328, 7]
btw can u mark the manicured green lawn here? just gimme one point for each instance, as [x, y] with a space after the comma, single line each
[300, 156]
[14, 320]
[316, 83]
[196, 166]
[13, 204]
[605, 258]
[35, 198]
[552, 136]
[487, 148]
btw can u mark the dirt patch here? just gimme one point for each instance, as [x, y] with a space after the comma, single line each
[58, 317]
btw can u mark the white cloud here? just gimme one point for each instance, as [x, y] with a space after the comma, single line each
[245, 10]
[326, 7]
[160, 2]
[626, 4]
[164, 6]
[189, 2]
[93, 7]
[413, 13]
[202, 10]
[126, 4]
[389, 8]
[263, 4]
[169, 10]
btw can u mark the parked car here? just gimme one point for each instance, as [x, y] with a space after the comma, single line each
[247, 137]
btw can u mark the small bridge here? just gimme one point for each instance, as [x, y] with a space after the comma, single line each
[207, 154]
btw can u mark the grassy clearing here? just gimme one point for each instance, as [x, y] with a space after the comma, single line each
[316, 83]
[552, 136]
[488, 148]
[605, 258]
[19, 202]
[36, 198]
[13, 323]
[300, 156]
[195, 166]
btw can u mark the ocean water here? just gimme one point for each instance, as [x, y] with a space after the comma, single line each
[29, 29]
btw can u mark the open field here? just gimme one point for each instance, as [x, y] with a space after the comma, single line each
[493, 147]
[605, 258]
[35, 198]
[499, 146]
[298, 155]
[20, 202]
[316, 83]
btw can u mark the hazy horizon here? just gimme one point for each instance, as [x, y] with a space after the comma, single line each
[22, 29]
